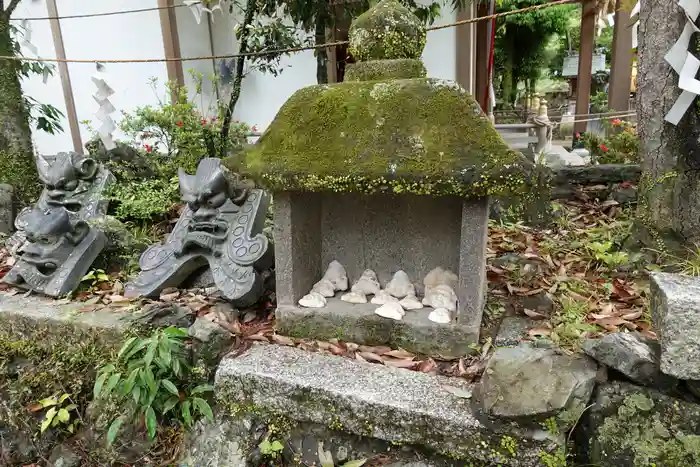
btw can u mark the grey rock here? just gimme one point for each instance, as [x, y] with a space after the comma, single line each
[675, 308]
[513, 330]
[541, 303]
[7, 212]
[213, 339]
[630, 426]
[228, 238]
[215, 444]
[73, 195]
[63, 456]
[624, 195]
[376, 232]
[367, 400]
[163, 315]
[630, 355]
[530, 385]
[201, 279]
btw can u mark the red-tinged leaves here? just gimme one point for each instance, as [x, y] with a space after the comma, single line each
[258, 337]
[282, 340]
[400, 363]
[399, 354]
[427, 366]
[371, 357]
[336, 349]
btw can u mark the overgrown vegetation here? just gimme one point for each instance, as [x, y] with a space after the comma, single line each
[157, 377]
[621, 146]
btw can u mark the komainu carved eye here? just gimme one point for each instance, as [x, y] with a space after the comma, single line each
[71, 185]
[216, 201]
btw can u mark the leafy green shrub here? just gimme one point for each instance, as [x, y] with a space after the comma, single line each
[621, 147]
[156, 374]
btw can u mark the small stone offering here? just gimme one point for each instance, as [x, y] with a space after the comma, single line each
[384, 297]
[313, 300]
[367, 284]
[354, 297]
[441, 296]
[400, 285]
[325, 287]
[440, 316]
[391, 310]
[337, 276]
[410, 302]
[440, 276]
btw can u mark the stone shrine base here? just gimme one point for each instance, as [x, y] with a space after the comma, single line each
[352, 322]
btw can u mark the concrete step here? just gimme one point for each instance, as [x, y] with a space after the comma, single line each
[370, 401]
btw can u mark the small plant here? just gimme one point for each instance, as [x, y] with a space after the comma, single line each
[271, 450]
[155, 373]
[95, 277]
[570, 322]
[602, 254]
[62, 411]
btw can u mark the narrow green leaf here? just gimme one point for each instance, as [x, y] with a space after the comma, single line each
[149, 380]
[45, 424]
[108, 369]
[63, 415]
[151, 422]
[140, 345]
[170, 404]
[113, 430]
[125, 348]
[63, 398]
[203, 407]
[112, 382]
[164, 352]
[98, 384]
[167, 384]
[276, 446]
[150, 353]
[48, 402]
[176, 368]
[357, 463]
[70, 407]
[130, 381]
[136, 393]
[202, 388]
[175, 332]
[186, 413]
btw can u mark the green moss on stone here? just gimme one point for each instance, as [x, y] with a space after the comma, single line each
[421, 136]
[387, 30]
[374, 70]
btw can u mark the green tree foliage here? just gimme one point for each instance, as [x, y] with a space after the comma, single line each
[521, 52]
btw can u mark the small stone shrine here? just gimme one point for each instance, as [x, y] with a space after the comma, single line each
[220, 226]
[381, 191]
[54, 245]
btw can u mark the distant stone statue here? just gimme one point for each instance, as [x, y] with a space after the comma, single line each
[54, 246]
[220, 226]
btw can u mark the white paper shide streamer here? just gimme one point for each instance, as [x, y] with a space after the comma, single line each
[684, 63]
[105, 109]
[198, 8]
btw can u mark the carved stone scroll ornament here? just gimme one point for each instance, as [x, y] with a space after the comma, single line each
[54, 246]
[220, 226]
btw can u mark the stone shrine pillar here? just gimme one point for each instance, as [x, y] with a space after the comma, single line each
[381, 190]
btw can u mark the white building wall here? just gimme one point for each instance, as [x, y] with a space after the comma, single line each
[129, 36]
[138, 35]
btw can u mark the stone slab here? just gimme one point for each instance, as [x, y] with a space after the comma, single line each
[675, 309]
[630, 426]
[513, 331]
[358, 323]
[394, 405]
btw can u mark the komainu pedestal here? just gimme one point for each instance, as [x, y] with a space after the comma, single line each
[54, 245]
[220, 226]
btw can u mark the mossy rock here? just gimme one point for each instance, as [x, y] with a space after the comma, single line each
[374, 70]
[386, 31]
[421, 136]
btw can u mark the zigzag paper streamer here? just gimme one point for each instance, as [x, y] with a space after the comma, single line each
[198, 9]
[684, 63]
[105, 108]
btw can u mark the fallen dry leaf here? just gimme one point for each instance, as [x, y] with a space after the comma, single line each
[399, 354]
[400, 362]
[371, 357]
[282, 340]
[534, 315]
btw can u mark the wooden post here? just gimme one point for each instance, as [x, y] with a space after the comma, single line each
[64, 74]
[585, 62]
[621, 66]
[171, 43]
[466, 49]
[482, 55]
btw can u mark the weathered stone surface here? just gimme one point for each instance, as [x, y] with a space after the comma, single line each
[354, 297]
[359, 323]
[54, 244]
[368, 400]
[630, 426]
[400, 285]
[212, 339]
[324, 287]
[221, 226]
[513, 330]
[223, 443]
[631, 355]
[675, 308]
[391, 310]
[383, 297]
[367, 284]
[410, 302]
[440, 316]
[337, 276]
[313, 300]
[7, 212]
[441, 296]
[530, 385]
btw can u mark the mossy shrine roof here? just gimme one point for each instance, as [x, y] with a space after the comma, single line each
[416, 135]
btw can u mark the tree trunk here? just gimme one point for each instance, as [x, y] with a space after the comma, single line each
[321, 54]
[670, 155]
[16, 151]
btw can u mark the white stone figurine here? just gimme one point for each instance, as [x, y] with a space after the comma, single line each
[410, 302]
[440, 316]
[367, 284]
[354, 297]
[337, 276]
[441, 296]
[384, 297]
[400, 285]
[391, 310]
[313, 300]
[439, 276]
[325, 287]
